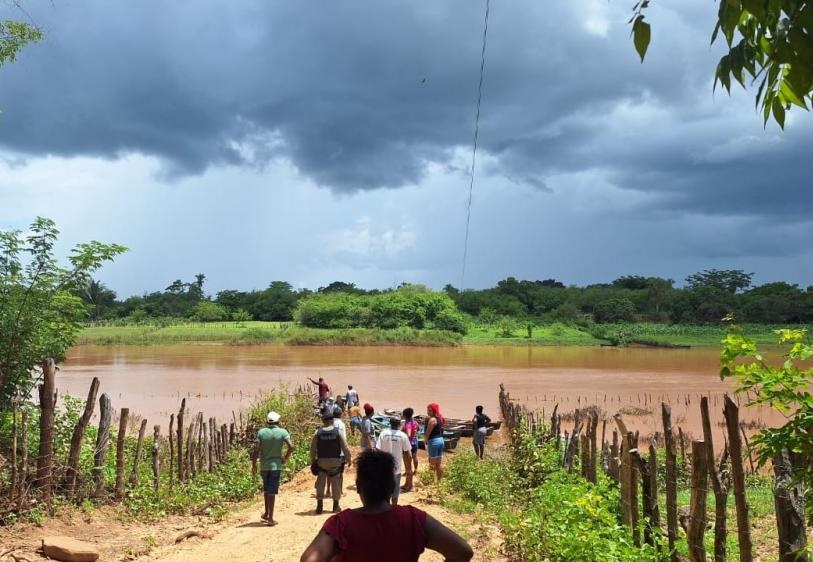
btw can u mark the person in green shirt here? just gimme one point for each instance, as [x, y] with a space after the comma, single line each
[268, 449]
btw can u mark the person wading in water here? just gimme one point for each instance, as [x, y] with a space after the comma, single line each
[268, 448]
[379, 531]
[324, 390]
[327, 447]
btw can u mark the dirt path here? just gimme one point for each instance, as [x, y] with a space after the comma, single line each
[244, 538]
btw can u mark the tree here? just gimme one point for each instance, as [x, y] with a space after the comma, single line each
[97, 296]
[770, 41]
[730, 280]
[40, 314]
[785, 387]
[208, 311]
[614, 310]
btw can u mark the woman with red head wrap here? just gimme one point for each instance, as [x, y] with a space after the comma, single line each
[433, 438]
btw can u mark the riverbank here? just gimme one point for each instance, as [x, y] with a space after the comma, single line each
[249, 333]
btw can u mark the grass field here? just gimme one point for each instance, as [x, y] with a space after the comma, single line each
[244, 333]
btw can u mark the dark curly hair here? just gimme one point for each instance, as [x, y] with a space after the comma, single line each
[374, 480]
[408, 412]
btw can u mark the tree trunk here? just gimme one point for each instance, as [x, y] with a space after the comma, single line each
[789, 499]
[139, 449]
[45, 458]
[125, 416]
[732, 420]
[78, 436]
[697, 508]
[102, 443]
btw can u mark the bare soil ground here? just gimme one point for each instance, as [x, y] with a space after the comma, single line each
[240, 537]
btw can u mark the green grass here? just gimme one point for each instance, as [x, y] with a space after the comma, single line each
[190, 332]
[682, 334]
[243, 333]
[552, 334]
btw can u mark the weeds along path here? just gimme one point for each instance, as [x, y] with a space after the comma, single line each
[242, 537]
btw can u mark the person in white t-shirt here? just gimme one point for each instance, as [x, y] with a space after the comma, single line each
[395, 442]
[352, 397]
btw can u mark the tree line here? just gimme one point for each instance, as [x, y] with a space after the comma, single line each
[706, 297]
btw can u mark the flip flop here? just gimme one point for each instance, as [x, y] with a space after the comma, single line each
[264, 516]
[272, 523]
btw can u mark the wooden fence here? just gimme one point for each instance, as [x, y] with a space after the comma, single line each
[193, 444]
[635, 467]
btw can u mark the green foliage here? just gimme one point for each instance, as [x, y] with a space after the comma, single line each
[785, 387]
[208, 311]
[770, 41]
[15, 35]
[614, 310]
[546, 514]
[506, 326]
[407, 307]
[40, 317]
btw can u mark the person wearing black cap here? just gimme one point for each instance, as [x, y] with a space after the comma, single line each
[327, 447]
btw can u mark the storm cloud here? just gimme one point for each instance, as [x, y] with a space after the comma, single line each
[364, 96]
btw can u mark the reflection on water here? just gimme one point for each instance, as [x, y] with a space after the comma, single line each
[220, 379]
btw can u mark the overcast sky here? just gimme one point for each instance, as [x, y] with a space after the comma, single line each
[319, 141]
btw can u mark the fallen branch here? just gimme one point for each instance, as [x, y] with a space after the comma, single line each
[189, 534]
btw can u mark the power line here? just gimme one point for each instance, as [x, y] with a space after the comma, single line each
[474, 145]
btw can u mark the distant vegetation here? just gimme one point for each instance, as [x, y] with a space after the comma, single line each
[513, 304]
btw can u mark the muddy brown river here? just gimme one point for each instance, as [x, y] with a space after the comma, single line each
[218, 379]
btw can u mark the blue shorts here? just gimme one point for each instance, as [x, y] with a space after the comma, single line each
[435, 448]
[270, 481]
[414, 448]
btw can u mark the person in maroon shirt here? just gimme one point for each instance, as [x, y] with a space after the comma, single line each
[380, 531]
[324, 389]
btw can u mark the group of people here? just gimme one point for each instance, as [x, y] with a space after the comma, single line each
[380, 528]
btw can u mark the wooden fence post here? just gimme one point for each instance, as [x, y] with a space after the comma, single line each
[77, 437]
[179, 442]
[697, 506]
[12, 494]
[585, 456]
[653, 482]
[124, 417]
[171, 438]
[23, 476]
[156, 457]
[646, 494]
[45, 458]
[632, 489]
[138, 452]
[732, 421]
[592, 458]
[789, 500]
[718, 485]
[671, 481]
[102, 443]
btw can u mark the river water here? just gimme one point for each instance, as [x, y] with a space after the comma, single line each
[221, 379]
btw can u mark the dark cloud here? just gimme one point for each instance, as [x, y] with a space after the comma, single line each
[364, 95]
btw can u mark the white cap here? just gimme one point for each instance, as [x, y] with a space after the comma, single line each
[272, 417]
